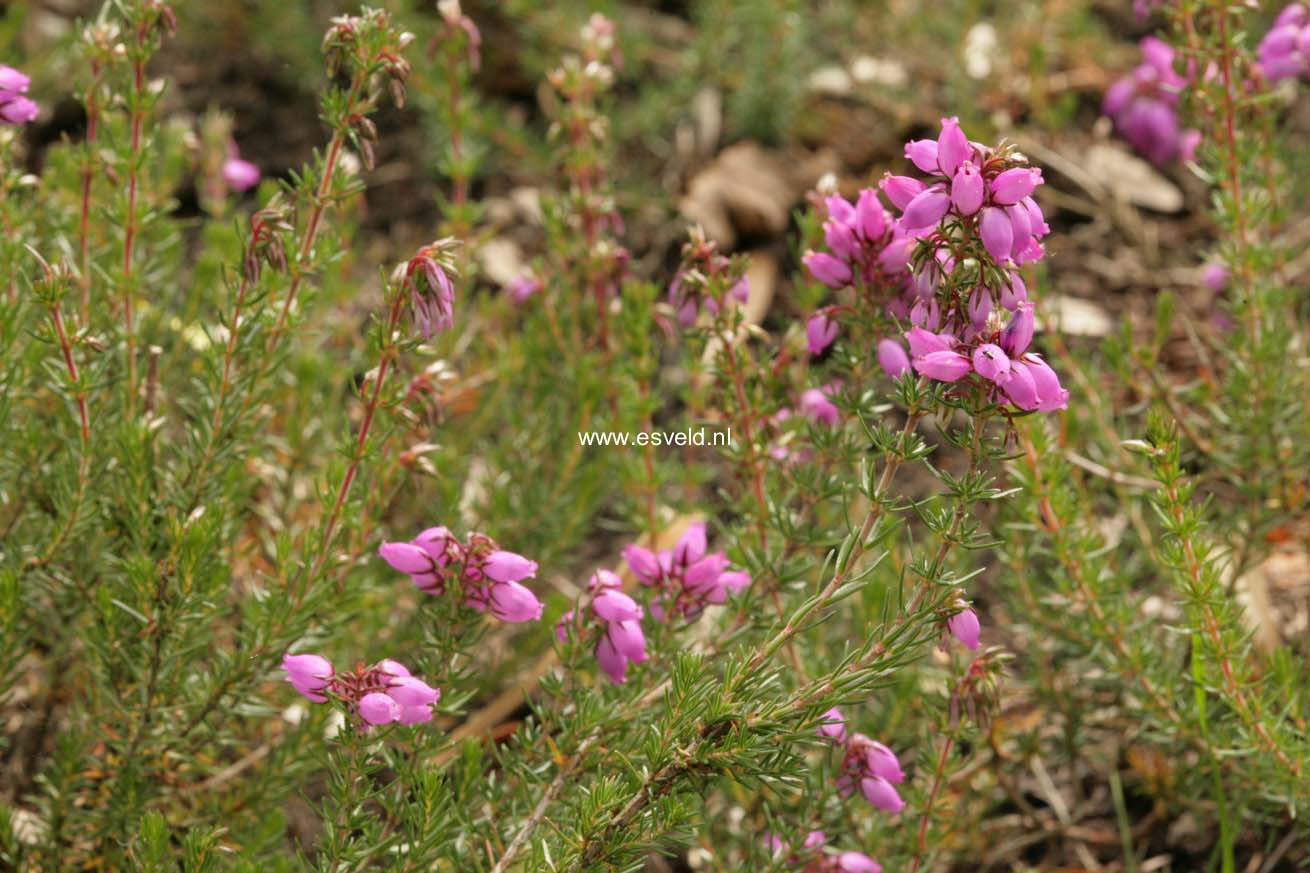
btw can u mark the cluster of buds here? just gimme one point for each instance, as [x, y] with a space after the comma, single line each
[1285, 50]
[265, 245]
[811, 857]
[380, 694]
[705, 279]
[370, 51]
[685, 578]
[488, 578]
[998, 358]
[1144, 106]
[14, 107]
[615, 618]
[431, 293]
[866, 764]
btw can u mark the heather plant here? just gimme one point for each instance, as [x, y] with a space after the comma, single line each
[305, 563]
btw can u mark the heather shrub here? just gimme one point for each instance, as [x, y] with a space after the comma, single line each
[547, 531]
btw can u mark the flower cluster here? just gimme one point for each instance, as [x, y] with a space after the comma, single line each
[866, 246]
[866, 764]
[380, 694]
[1144, 106]
[811, 858]
[999, 357]
[701, 279]
[431, 293]
[685, 578]
[619, 618]
[969, 182]
[488, 577]
[1285, 50]
[14, 107]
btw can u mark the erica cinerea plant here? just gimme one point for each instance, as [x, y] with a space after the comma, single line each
[304, 563]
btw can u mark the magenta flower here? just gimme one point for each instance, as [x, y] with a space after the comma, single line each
[964, 627]
[892, 358]
[923, 154]
[14, 107]
[967, 189]
[377, 708]
[820, 331]
[1215, 277]
[380, 694]
[311, 675]
[853, 862]
[991, 362]
[832, 725]
[432, 294]
[997, 232]
[875, 770]
[524, 288]
[1285, 50]
[488, 576]
[953, 147]
[1011, 186]
[926, 209]
[1144, 106]
[901, 190]
[943, 366]
[617, 624]
[1018, 334]
[240, 175]
[686, 578]
[816, 404]
[827, 269]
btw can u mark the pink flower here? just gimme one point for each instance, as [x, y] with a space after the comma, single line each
[512, 602]
[943, 366]
[433, 298]
[613, 605]
[14, 107]
[923, 154]
[311, 675]
[1012, 185]
[926, 209]
[997, 234]
[686, 578]
[881, 793]
[643, 564]
[502, 566]
[240, 175]
[827, 269]
[1144, 105]
[377, 708]
[967, 189]
[522, 288]
[820, 331]
[964, 627]
[892, 358]
[991, 362]
[901, 190]
[621, 642]
[856, 862]
[953, 147]
[816, 404]
[18, 110]
[1018, 334]
[832, 726]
